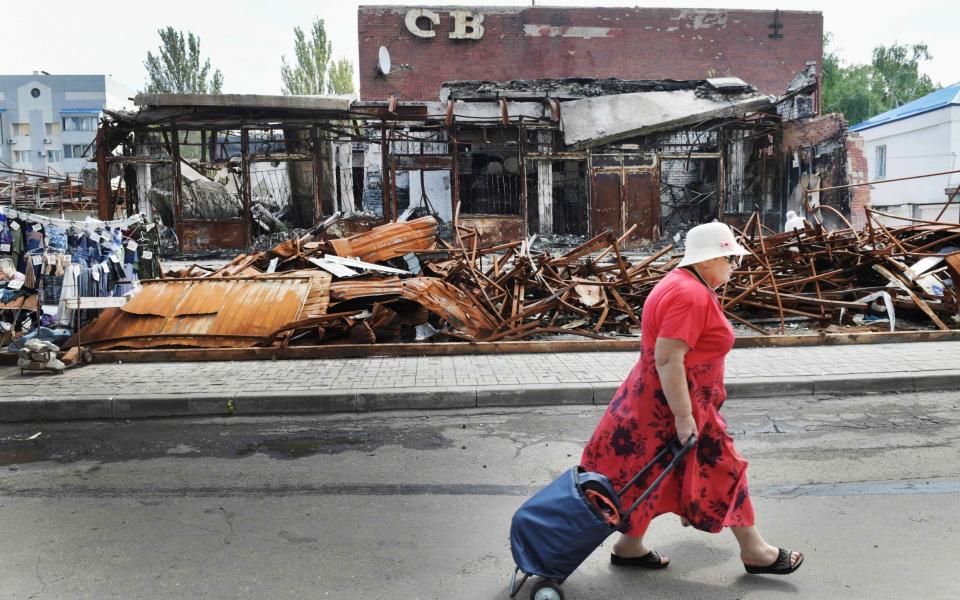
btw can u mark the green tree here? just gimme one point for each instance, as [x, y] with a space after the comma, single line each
[896, 73]
[178, 69]
[341, 77]
[860, 91]
[313, 73]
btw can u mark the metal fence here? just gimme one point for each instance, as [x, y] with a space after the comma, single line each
[490, 194]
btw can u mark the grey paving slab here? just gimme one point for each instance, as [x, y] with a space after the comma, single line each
[385, 383]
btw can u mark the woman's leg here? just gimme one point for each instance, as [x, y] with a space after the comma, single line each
[755, 551]
[631, 546]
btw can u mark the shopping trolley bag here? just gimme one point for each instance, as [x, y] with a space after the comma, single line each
[553, 532]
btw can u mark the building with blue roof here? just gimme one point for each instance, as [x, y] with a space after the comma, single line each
[920, 137]
[48, 122]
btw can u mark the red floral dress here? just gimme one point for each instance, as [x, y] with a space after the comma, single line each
[709, 487]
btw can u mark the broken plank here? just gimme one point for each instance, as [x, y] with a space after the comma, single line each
[921, 304]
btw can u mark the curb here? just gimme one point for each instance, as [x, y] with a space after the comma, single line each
[35, 408]
[535, 394]
[292, 402]
[32, 408]
[170, 405]
[416, 398]
[937, 380]
[758, 387]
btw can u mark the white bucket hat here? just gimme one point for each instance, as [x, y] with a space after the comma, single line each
[710, 240]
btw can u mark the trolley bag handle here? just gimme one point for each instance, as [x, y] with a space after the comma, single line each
[679, 453]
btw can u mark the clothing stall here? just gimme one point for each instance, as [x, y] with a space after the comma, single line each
[47, 264]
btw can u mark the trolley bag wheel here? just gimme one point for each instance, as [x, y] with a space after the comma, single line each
[546, 589]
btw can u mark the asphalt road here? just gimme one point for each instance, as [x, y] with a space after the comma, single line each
[417, 505]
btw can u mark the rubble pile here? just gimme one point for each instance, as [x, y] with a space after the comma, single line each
[402, 282]
[848, 277]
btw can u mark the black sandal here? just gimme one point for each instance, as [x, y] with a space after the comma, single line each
[650, 560]
[781, 566]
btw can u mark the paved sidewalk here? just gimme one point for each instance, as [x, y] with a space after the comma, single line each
[361, 384]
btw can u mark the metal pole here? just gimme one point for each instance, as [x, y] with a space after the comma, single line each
[850, 185]
[722, 174]
[455, 173]
[212, 140]
[953, 195]
[245, 187]
[317, 176]
[522, 131]
[385, 172]
[177, 200]
[104, 205]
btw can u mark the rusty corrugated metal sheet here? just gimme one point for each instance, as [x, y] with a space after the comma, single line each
[447, 301]
[201, 236]
[495, 229]
[160, 300]
[348, 289]
[284, 249]
[241, 266]
[319, 297]
[389, 241]
[351, 225]
[174, 313]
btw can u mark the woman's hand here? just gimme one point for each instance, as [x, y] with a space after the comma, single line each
[686, 426]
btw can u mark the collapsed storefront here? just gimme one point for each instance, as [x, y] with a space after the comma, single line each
[645, 159]
[568, 157]
[217, 171]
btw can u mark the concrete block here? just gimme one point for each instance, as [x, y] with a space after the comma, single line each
[534, 394]
[417, 398]
[171, 405]
[283, 402]
[860, 383]
[768, 387]
[40, 409]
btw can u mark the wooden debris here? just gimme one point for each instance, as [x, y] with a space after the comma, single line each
[460, 290]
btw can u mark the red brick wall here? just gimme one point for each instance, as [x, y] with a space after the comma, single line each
[799, 134]
[857, 173]
[639, 43]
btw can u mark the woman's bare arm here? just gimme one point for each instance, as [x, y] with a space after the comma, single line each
[668, 355]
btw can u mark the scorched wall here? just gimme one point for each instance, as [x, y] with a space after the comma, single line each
[628, 43]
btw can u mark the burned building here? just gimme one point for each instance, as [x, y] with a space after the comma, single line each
[515, 121]
[562, 122]
[219, 170]
[642, 158]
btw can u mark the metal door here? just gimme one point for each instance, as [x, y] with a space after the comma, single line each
[605, 202]
[642, 204]
[623, 195]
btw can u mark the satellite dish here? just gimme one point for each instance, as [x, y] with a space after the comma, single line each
[383, 61]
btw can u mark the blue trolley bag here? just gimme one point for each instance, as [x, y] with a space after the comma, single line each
[558, 528]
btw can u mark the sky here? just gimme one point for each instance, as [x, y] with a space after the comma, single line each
[245, 39]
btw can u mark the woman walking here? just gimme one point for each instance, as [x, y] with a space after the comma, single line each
[676, 390]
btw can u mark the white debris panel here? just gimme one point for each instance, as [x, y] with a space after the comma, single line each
[601, 120]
